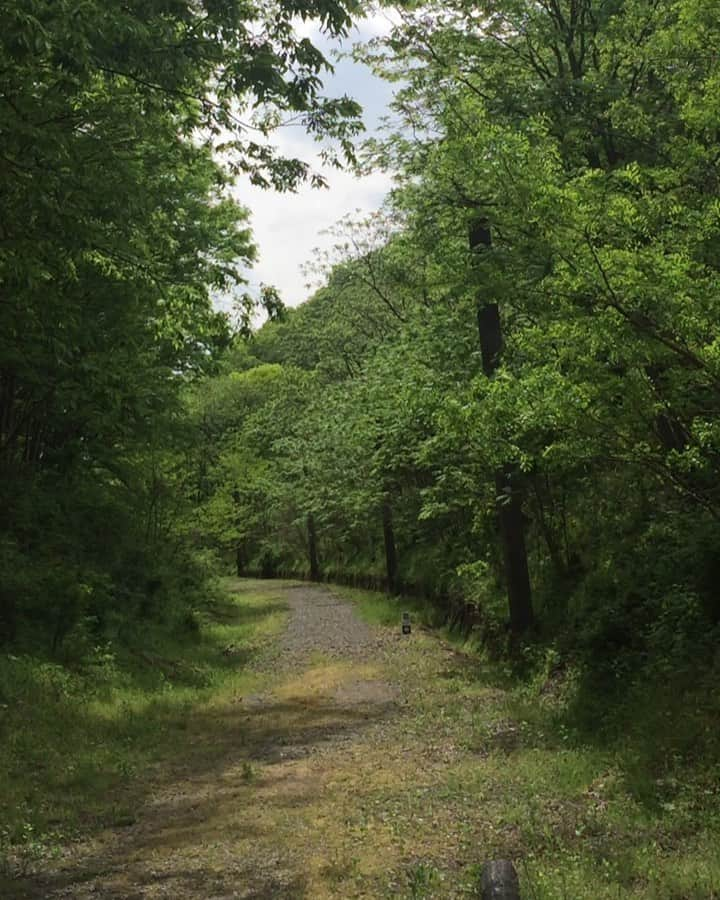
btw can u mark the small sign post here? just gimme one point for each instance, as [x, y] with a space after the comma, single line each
[406, 623]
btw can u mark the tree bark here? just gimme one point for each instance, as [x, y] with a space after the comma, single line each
[239, 561]
[312, 549]
[8, 618]
[390, 548]
[512, 530]
[507, 479]
[490, 331]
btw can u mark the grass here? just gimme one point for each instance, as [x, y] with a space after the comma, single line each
[377, 608]
[584, 815]
[312, 796]
[79, 744]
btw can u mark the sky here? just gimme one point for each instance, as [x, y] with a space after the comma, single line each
[289, 227]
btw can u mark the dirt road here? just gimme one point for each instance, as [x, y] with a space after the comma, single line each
[344, 778]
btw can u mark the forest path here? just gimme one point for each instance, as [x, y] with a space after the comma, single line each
[346, 777]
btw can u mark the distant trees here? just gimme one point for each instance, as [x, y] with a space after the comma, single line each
[371, 434]
[585, 135]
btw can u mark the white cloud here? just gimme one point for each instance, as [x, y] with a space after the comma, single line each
[378, 24]
[288, 227]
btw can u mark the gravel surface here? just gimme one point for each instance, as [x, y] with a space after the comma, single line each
[322, 623]
[200, 832]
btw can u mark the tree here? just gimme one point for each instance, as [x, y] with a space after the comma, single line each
[507, 478]
[123, 129]
[571, 127]
[583, 134]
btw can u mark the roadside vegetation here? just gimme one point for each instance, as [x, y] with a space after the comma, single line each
[475, 758]
[501, 401]
[82, 740]
[592, 800]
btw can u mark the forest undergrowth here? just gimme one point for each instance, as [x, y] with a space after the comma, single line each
[80, 739]
[606, 793]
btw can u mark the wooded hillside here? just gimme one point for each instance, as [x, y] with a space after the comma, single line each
[501, 404]
[515, 368]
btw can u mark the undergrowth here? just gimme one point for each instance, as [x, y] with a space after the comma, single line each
[80, 738]
[601, 790]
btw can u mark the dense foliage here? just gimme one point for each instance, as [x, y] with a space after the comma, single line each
[121, 134]
[367, 428]
[515, 365]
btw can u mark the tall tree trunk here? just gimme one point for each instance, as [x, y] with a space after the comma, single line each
[239, 560]
[512, 530]
[8, 617]
[312, 548]
[507, 479]
[390, 549]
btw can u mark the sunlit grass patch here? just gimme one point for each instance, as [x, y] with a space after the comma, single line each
[376, 608]
[646, 872]
[323, 679]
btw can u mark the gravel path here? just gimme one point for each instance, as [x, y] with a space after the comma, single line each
[322, 630]
[216, 825]
[321, 622]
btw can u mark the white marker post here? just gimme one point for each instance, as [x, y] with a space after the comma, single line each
[406, 623]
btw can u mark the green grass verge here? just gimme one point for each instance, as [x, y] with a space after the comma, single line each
[79, 743]
[377, 608]
[630, 810]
